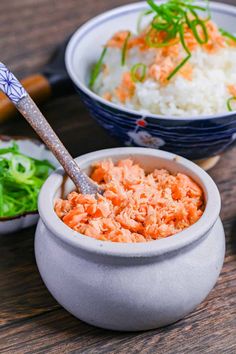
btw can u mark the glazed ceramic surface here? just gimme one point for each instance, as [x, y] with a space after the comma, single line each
[194, 138]
[35, 149]
[130, 287]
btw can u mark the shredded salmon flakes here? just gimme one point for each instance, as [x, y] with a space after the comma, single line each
[107, 96]
[168, 57]
[232, 90]
[135, 207]
[117, 39]
[126, 89]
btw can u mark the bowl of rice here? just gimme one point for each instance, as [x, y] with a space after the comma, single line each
[160, 75]
[142, 255]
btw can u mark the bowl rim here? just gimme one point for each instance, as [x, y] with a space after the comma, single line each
[153, 248]
[92, 23]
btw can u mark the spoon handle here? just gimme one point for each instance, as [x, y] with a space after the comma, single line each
[23, 102]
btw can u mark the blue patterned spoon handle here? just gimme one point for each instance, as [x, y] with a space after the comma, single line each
[27, 107]
[10, 85]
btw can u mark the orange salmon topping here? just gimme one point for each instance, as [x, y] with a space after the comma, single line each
[186, 71]
[118, 39]
[135, 207]
[126, 89]
[107, 96]
[232, 90]
[169, 56]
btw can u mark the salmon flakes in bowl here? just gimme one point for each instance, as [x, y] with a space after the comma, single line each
[135, 206]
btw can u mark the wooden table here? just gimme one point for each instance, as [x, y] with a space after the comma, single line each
[30, 319]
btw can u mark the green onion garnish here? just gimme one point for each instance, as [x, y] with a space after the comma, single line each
[96, 69]
[194, 24]
[181, 34]
[154, 43]
[21, 178]
[138, 72]
[170, 19]
[208, 10]
[124, 49]
[140, 18]
[179, 67]
[227, 34]
[229, 103]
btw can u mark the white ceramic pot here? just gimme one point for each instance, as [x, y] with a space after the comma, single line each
[130, 287]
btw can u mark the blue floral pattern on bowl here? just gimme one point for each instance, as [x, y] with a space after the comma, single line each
[193, 139]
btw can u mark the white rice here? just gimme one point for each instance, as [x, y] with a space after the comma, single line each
[205, 94]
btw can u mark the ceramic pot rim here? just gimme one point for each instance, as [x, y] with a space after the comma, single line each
[91, 25]
[152, 248]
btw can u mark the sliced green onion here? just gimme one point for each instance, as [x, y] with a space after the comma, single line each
[152, 4]
[22, 168]
[154, 44]
[194, 24]
[140, 19]
[208, 10]
[96, 69]
[138, 72]
[161, 25]
[187, 20]
[185, 60]
[192, 7]
[124, 49]
[175, 12]
[229, 103]
[174, 72]
[170, 18]
[227, 34]
[21, 178]
[172, 33]
[182, 40]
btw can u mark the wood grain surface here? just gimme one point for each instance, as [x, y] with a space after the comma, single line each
[31, 321]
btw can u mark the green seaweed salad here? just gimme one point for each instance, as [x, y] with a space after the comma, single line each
[21, 178]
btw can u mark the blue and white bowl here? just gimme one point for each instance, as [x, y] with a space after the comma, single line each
[194, 138]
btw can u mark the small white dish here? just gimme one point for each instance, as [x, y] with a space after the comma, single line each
[130, 287]
[33, 148]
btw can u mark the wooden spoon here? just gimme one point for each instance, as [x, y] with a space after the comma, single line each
[27, 107]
